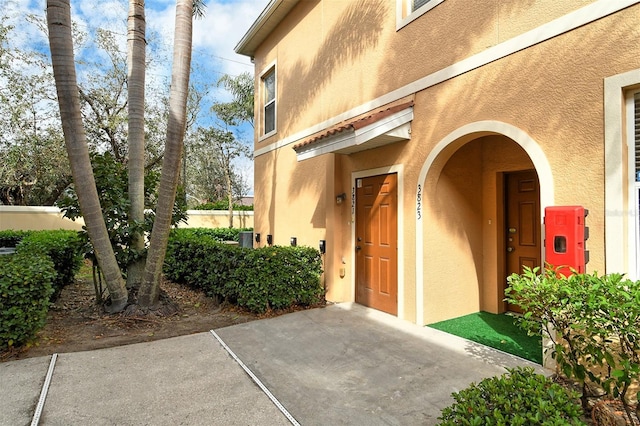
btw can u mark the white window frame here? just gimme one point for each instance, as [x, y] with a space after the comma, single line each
[405, 13]
[636, 253]
[620, 186]
[634, 188]
[267, 71]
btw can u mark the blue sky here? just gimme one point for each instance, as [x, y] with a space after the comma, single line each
[214, 36]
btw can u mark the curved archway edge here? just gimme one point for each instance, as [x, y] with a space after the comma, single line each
[450, 144]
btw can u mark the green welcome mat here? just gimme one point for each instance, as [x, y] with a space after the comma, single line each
[496, 331]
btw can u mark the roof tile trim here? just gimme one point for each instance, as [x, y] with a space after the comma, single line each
[355, 124]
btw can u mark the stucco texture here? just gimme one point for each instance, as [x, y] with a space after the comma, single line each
[333, 56]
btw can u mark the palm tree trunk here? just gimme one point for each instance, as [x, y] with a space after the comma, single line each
[150, 288]
[60, 41]
[136, 64]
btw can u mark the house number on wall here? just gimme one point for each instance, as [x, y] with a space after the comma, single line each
[419, 202]
[353, 201]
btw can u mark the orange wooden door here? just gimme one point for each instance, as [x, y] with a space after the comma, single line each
[377, 242]
[523, 245]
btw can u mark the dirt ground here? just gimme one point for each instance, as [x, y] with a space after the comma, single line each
[75, 323]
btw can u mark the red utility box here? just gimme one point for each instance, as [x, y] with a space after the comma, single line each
[565, 237]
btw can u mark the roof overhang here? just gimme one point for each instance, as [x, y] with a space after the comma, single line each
[375, 130]
[268, 20]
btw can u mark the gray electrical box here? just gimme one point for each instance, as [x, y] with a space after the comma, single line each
[246, 239]
[7, 250]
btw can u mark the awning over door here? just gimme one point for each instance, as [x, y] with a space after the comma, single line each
[379, 128]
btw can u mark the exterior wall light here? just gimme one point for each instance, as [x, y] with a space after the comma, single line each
[269, 239]
[340, 198]
[294, 241]
[323, 246]
[258, 237]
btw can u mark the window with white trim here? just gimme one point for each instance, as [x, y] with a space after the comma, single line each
[636, 133]
[269, 102]
[416, 4]
[634, 140]
[410, 10]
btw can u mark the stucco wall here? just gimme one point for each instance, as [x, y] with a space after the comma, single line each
[293, 198]
[550, 92]
[35, 218]
[336, 55]
[43, 218]
[217, 219]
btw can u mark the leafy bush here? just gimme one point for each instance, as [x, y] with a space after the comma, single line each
[279, 277]
[520, 397]
[11, 238]
[259, 280]
[200, 260]
[26, 284]
[112, 183]
[218, 234]
[64, 248]
[592, 321]
[222, 205]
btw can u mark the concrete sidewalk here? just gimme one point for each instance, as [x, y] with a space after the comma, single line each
[344, 364]
[187, 380]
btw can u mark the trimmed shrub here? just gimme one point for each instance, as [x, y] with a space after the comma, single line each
[257, 279]
[64, 248]
[201, 261]
[223, 205]
[218, 234]
[279, 277]
[26, 284]
[11, 238]
[520, 397]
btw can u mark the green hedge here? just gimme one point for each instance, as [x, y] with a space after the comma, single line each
[520, 397]
[26, 284]
[198, 259]
[257, 279]
[278, 277]
[62, 247]
[217, 234]
[223, 205]
[11, 238]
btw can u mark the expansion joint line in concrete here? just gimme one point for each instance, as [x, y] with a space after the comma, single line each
[44, 391]
[257, 381]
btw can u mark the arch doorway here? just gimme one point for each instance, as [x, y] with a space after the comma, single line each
[481, 221]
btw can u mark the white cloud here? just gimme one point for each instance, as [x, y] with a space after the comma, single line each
[109, 14]
[26, 33]
[222, 28]
[214, 36]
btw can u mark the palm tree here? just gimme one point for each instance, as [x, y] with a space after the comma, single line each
[150, 288]
[60, 40]
[61, 44]
[136, 78]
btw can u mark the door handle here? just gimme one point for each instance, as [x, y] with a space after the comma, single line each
[510, 249]
[358, 247]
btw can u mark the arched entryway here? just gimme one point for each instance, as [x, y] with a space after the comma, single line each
[464, 227]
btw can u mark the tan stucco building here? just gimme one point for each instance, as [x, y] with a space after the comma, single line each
[422, 141]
